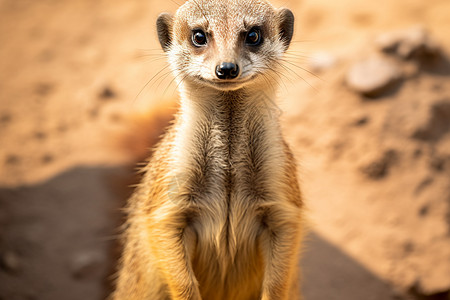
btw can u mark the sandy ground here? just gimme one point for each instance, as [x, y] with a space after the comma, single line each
[84, 92]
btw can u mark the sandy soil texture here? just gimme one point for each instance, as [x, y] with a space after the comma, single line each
[85, 91]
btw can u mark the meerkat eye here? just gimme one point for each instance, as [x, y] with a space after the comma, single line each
[253, 37]
[198, 38]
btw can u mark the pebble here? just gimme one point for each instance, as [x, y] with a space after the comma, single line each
[413, 42]
[321, 61]
[10, 262]
[86, 264]
[12, 159]
[437, 123]
[47, 158]
[373, 76]
[419, 292]
[5, 118]
[43, 89]
[361, 121]
[379, 167]
[107, 93]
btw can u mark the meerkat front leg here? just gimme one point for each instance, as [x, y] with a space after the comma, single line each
[177, 269]
[281, 244]
[170, 238]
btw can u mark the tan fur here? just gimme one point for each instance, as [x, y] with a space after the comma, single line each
[218, 213]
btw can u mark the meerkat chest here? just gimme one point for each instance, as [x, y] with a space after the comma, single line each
[233, 168]
[225, 199]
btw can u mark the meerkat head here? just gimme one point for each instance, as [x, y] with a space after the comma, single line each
[228, 44]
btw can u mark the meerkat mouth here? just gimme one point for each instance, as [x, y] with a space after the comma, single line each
[226, 84]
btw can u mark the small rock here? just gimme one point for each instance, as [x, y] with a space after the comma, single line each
[423, 185]
[423, 211]
[437, 124]
[47, 158]
[107, 93]
[418, 153]
[86, 265]
[10, 262]
[322, 61]
[408, 247]
[40, 135]
[379, 168]
[437, 163]
[361, 121]
[12, 159]
[373, 76]
[417, 291]
[5, 119]
[413, 42]
[43, 89]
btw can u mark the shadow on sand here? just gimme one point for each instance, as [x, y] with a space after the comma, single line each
[57, 241]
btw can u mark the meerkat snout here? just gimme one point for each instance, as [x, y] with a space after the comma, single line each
[227, 70]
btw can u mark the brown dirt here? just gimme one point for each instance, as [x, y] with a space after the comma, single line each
[77, 113]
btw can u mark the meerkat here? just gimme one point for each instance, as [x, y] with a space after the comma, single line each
[218, 214]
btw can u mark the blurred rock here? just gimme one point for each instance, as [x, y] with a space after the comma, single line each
[321, 61]
[47, 158]
[44, 88]
[418, 293]
[423, 184]
[107, 93]
[437, 163]
[379, 167]
[413, 42]
[361, 121]
[373, 76]
[437, 124]
[423, 211]
[40, 135]
[86, 264]
[12, 159]
[5, 118]
[408, 247]
[10, 262]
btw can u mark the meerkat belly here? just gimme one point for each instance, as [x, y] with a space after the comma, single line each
[227, 258]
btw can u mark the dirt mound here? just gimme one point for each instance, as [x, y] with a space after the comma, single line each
[378, 183]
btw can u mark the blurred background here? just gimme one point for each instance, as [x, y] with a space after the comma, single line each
[85, 92]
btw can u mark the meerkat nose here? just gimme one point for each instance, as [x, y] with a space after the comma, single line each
[227, 70]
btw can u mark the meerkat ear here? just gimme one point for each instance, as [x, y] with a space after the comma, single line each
[164, 28]
[286, 25]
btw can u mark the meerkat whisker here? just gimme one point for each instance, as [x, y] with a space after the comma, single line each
[306, 70]
[162, 77]
[289, 70]
[151, 59]
[148, 82]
